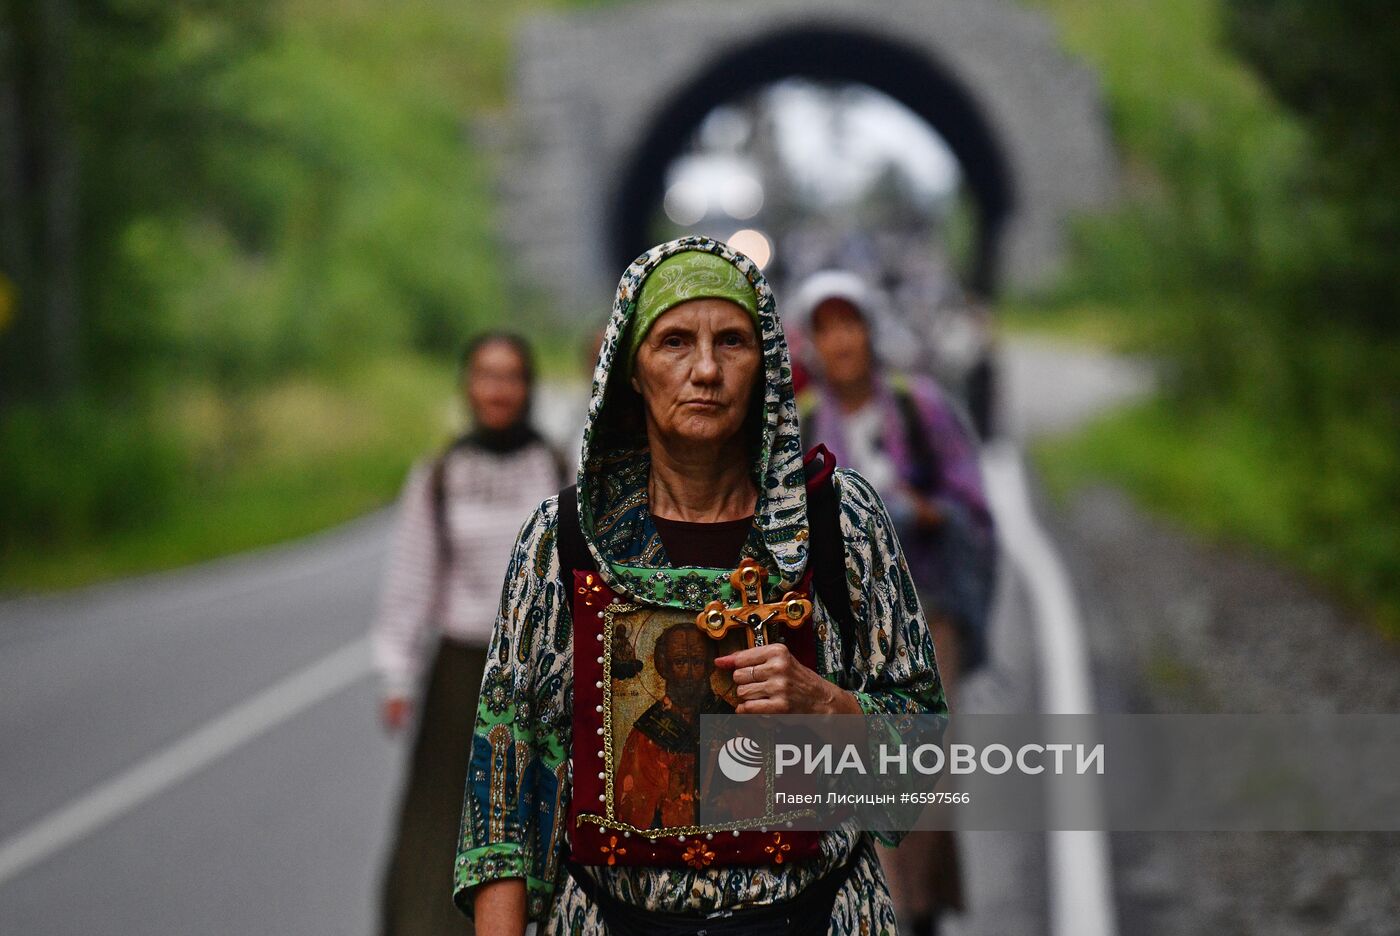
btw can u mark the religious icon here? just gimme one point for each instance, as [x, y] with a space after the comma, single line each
[645, 676]
[658, 765]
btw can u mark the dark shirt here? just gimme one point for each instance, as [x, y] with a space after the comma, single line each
[706, 545]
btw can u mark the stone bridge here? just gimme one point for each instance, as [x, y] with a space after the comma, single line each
[603, 100]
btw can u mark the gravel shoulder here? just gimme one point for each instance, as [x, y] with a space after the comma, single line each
[1176, 626]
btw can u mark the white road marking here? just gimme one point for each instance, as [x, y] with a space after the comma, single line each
[208, 583]
[1080, 891]
[1080, 888]
[162, 770]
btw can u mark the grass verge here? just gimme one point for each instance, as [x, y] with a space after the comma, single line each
[1231, 478]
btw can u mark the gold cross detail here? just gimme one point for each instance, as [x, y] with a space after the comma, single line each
[753, 614]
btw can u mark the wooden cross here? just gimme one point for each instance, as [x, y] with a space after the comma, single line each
[753, 614]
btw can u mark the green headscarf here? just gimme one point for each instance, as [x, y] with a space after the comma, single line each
[692, 274]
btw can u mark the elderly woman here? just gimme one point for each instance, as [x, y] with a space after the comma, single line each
[691, 463]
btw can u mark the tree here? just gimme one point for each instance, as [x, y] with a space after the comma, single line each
[107, 113]
[1334, 65]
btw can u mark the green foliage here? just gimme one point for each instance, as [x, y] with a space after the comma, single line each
[262, 186]
[75, 466]
[1234, 479]
[367, 223]
[1241, 257]
[271, 194]
[1334, 65]
[109, 495]
[109, 115]
[1211, 164]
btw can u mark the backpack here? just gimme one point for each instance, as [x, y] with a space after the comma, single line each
[924, 456]
[930, 469]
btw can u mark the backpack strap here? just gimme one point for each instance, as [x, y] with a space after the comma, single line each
[828, 547]
[561, 464]
[568, 538]
[926, 461]
[437, 487]
[828, 562]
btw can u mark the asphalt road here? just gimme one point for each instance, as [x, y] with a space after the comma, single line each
[198, 752]
[283, 833]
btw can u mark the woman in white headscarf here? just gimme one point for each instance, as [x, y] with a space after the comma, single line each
[909, 441]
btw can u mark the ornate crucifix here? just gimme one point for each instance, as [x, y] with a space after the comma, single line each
[753, 614]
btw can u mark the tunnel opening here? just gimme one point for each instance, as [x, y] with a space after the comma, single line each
[828, 56]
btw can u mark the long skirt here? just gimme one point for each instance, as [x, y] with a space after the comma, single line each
[925, 873]
[417, 899]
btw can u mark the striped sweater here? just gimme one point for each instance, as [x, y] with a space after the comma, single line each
[448, 583]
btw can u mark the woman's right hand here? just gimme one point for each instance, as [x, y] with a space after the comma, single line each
[395, 712]
[499, 907]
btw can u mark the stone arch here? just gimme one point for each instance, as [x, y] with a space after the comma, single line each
[827, 53]
[603, 100]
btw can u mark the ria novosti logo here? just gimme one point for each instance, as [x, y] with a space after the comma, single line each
[740, 759]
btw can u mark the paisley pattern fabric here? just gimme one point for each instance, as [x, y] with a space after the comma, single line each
[519, 781]
[608, 441]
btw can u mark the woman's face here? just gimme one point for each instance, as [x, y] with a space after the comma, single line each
[696, 371]
[842, 341]
[496, 386]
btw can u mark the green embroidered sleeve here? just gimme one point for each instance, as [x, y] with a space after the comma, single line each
[517, 783]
